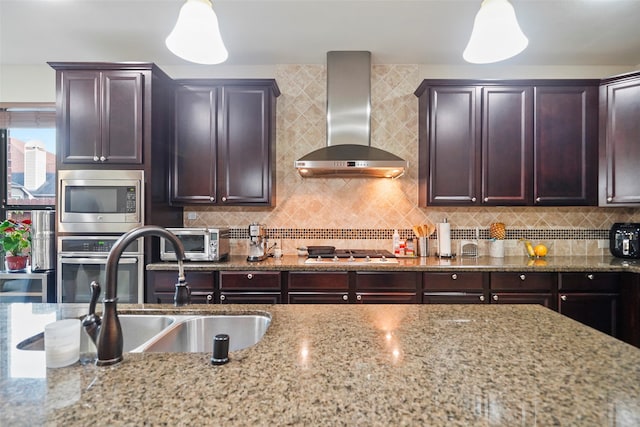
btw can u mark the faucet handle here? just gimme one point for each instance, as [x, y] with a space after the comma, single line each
[95, 293]
[92, 321]
[182, 295]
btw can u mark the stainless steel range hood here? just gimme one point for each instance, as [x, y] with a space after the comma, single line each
[348, 152]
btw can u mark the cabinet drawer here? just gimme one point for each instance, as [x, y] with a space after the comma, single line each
[452, 281]
[250, 298]
[165, 281]
[318, 298]
[541, 298]
[387, 298]
[318, 281]
[399, 280]
[523, 281]
[245, 280]
[453, 298]
[586, 282]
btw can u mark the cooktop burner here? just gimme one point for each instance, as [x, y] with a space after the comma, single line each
[356, 253]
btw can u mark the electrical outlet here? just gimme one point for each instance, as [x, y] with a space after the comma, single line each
[192, 215]
[603, 244]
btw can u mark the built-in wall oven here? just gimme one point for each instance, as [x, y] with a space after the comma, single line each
[100, 201]
[83, 259]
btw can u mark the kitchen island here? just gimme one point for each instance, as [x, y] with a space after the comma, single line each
[331, 364]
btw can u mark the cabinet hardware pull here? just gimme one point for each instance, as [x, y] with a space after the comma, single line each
[209, 298]
[95, 158]
[222, 298]
[103, 159]
[563, 297]
[609, 199]
[454, 276]
[249, 276]
[495, 297]
[345, 297]
[590, 276]
[224, 199]
[522, 277]
[473, 199]
[359, 297]
[486, 199]
[481, 297]
[212, 199]
[538, 199]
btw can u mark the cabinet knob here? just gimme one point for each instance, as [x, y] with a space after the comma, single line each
[522, 277]
[563, 297]
[495, 297]
[345, 297]
[481, 297]
[209, 298]
[222, 298]
[212, 199]
[590, 276]
[224, 199]
[103, 158]
[473, 199]
[609, 199]
[95, 158]
[249, 276]
[454, 276]
[486, 199]
[538, 199]
[359, 297]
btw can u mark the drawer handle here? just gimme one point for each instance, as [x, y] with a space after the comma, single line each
[590, 276]
[345, 297]
[495, 297]
[522, 277]
[563, 297]
[359, 297]
[103, 159]
[224, 199]
[481, 297]
[96, 158]
[486, 199]
[473, 199]
[212, 199]
[209, 298]
[609, 199]
[454, 276]
[249, 276]
[222, 298]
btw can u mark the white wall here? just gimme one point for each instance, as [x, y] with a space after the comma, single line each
[36, 83]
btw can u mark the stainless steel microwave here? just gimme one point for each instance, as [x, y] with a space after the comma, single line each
[200, 244]
[100, 201]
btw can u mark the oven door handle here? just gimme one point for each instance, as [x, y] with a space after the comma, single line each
[123, 260]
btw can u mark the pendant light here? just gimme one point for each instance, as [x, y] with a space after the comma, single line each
[196, 36]
[496, 35]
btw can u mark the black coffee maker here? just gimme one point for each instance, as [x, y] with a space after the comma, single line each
[624, 240]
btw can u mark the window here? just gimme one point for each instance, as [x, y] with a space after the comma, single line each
[27, 158]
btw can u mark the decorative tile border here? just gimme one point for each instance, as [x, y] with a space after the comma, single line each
[386, 234]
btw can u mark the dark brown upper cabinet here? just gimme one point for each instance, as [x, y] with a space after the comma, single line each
[508, 142]
[224, 147]
[620, 141]
[100, 113]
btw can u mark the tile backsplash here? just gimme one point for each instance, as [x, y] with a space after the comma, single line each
[360, 212]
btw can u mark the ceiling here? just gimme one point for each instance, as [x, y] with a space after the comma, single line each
[267, 32]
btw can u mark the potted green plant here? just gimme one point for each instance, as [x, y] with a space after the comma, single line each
[15, 237]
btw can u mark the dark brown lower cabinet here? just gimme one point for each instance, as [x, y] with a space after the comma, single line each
[398, 287]
[160, 286]
[464, 287]
[250, 287]
[523, 288]
[387, 298]
[318, 287]
[600, 311]
[542, 298]
[453, 298]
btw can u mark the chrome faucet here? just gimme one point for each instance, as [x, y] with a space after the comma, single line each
[106, 333]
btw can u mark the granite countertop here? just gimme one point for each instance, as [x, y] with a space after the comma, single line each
[518, 263]
[339, 364]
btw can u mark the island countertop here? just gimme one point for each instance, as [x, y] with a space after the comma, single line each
[339, 364]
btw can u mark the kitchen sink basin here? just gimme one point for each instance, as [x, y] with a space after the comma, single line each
[196, 334]
[136, 330]
[175, 333]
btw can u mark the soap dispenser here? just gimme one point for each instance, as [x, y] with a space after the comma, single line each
[396, 242]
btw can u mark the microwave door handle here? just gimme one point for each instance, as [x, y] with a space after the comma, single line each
[97, 261]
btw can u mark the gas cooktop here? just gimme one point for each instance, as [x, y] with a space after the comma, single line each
[351, 256]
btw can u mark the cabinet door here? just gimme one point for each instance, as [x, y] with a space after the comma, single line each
[565, 145]
[506, 145]
[245, 146]
[450, 147]
[541, 298]
[79, 98]
[387, 298]
[620, 173]
[250, 298]
[194, 150]
[598, 310]
[453, 298]
[160, 286]
[318, 298]
[122, 123]
[523, 281]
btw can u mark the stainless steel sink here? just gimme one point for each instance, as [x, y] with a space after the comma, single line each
[137, 329]
[196, 334]
[175, 333]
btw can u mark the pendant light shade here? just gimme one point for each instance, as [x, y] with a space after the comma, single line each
[496, 35]
[196, 36]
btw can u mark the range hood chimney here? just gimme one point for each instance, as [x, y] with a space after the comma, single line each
[348, 152]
